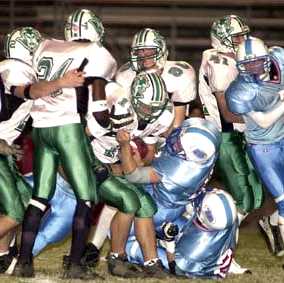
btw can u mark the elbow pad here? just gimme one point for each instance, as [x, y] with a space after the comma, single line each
[139, 175]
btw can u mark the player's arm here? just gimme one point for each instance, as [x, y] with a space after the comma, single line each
[225, 112]
[195, 108]
[72, 78]
[180, 113]
[133, 173]
[267, 119]
[99, 104]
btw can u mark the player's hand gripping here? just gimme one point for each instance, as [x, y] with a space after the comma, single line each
[13, 149]
[123, 137]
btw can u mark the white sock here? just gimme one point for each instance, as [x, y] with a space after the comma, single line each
[273, 218]
[241, 217]
[281, 226]
[4, 253]
[103, 226]
[151, 261]
[13, 240]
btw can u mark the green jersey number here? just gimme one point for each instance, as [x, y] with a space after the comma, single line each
[45, 67]
[217, 60]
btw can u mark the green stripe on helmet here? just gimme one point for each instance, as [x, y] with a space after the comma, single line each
[157, 87]
[80, 22]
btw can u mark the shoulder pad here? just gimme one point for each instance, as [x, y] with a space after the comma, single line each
[125, 75]
[240, 96]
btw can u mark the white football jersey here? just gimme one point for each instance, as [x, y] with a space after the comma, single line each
[14, 73]
[51, 60]
[216, 73]
[178, 76]
[104, 144]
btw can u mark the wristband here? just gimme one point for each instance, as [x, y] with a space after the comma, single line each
[27, 94]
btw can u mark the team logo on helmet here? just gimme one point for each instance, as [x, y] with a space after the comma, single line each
[140, 86]
[22, 43]
[30, 38]
[149, 96]
[222, 28]
[224, 33]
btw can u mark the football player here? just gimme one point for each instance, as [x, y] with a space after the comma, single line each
[18, 85]
[118, 193]
[218, 69]
[147, 115]
[149, 53]
[205, 246]
[256, 95]
[183, 167]
[60, 139]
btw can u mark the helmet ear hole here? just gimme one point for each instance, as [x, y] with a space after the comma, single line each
[84, 24]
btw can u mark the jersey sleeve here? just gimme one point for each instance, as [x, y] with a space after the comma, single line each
[124, 76]
[220, 72]
[181, 78]
[16, 74]
[101, 63]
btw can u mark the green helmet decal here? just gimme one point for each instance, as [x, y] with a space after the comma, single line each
[140, 85]
[22, 40]
[223, 30]
[148, 96]
[30, 38]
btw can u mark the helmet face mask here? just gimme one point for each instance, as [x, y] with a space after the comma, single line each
[22, 43]
[83, 24]
[228, 32]
[253, 57]
[148, 50]
[149, 96]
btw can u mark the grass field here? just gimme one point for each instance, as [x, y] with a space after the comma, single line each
[251, 253]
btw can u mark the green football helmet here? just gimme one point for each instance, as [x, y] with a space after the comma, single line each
[224, 30]
[148, 39]
[21, 44]
[84, 24]
[149, 96]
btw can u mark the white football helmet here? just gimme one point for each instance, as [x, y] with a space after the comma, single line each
[253, 57]
[84, 24]
[149, 96]
[196, 140]
[217, 210]
[21, 44]
[148, 39]
[224, 30]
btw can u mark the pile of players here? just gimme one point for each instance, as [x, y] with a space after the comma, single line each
[122, 140]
